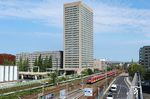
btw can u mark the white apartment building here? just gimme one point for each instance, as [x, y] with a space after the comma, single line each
[78, 36]
[57, 57]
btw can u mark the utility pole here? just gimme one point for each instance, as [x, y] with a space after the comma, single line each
[41, 95]
[106, 75]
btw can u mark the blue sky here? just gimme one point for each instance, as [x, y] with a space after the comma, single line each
[121, 27]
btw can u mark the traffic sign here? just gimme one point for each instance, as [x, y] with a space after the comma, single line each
[62, 94]
[88, 92]
[49, 96]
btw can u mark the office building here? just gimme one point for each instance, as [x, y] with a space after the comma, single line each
[57, 58]
[78, 36]
[144, 57]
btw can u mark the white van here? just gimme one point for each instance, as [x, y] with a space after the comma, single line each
[113, 87]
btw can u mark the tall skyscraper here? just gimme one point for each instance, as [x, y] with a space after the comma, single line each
[78, 36]
[144, 57]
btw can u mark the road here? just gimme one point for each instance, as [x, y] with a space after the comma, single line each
[122, 88]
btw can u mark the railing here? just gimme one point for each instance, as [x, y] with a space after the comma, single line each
[135, 91]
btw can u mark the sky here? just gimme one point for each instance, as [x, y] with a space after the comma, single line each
[121, 27]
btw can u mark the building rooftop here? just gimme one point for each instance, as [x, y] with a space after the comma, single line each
[77, 4]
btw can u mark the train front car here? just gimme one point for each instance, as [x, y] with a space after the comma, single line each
[111, 73]
[98, 77]
[89, 80]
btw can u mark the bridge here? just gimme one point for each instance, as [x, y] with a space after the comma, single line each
[34, 75]
[135, 91]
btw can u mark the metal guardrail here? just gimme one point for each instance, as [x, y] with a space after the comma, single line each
[135, 91]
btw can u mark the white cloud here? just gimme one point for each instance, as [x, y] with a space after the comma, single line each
[46, 12]
[45, 35]
[121, 20]
[111, 19]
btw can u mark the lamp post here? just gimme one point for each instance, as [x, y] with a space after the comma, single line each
[41, 95]
[43, 89]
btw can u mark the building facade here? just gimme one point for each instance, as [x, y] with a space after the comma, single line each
[144, 56]
[8, 73]
[57, 57]
[100, 64]
[7, 57]
[78, 36]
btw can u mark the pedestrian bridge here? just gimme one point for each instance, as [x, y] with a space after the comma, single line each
[34, 75]
[135, 91]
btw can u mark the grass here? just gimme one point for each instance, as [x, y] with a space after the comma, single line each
[20, 94]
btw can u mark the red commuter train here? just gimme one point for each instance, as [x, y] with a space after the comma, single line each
[98, 77]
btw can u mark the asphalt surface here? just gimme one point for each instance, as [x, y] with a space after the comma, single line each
[122, 88]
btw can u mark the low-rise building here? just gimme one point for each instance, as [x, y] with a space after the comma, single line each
[100, 64]
[7, 59]
[8, 73]
[57, 57]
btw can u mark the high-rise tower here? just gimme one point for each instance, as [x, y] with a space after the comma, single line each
[144, 57]
[78, 36]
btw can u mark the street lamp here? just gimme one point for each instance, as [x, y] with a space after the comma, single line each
[41, 95]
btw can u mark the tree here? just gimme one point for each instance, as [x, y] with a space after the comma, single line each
[45, 63]
[23, 64]
[5, 62]
[96, 70]
[62, 78]
[14, 63]
[36, 62]
[53, 77]
[40, 60]
[133, 68]
[27, 62]
[87, 71]
[40, 63]
[8, 62]
[49, 65]
[109, 68]
[19, 64]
